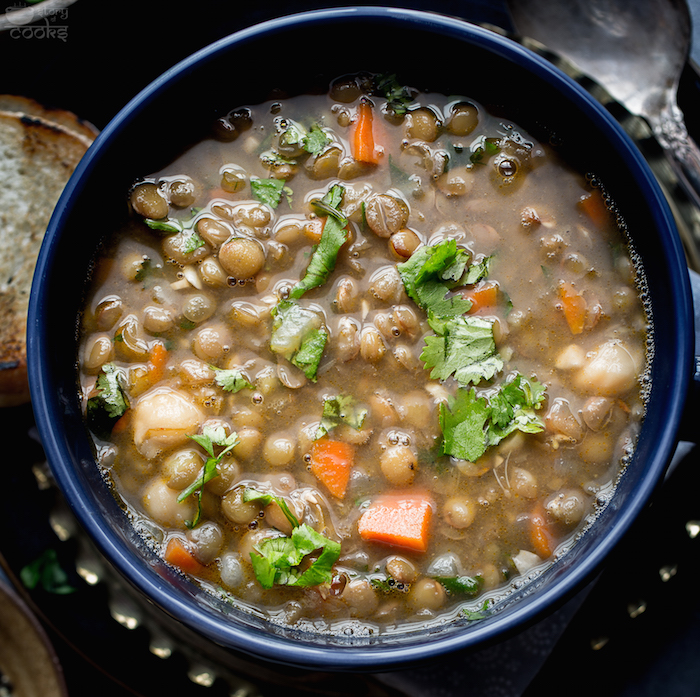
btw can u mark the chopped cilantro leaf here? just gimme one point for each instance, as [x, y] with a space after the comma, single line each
[429, 275]
[483, 148]
[46, 572]
[298, 336]
[333, 237]
[109, 401]
[209, 438]
[341, 409]
[465, 350]
[398, 96]
[315, 140]
[270, 191]
[460, 585]
[232, 380]
[470, 424]
[166, 225]
[192, 243]
[276, 561]
[250, 494]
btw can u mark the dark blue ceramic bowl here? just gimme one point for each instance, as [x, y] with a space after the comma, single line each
[424, 50]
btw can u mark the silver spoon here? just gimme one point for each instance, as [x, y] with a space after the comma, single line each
[636, 50]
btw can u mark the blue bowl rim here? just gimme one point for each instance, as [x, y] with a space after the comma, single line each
[46, 405]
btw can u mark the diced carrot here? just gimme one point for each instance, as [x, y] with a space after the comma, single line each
[158, 361]
[399, 520]
[177, 554]
[363, 146]
[541, 538]
[122, 423]
[331, 463]
[574, 306]
[593, 205]
[484, 296]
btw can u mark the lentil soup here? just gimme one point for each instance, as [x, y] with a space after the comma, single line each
[364, 357]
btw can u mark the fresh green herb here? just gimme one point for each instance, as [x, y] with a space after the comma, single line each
[109, 401]
[460, 585]
[481, 614]
[172, 225]
[145, 268]
[208, 439]
[465, 350]
[341, 409]
[276, 561]
[192, 243]
[399, 97]
[45, 572]
[165, 225]
[463, 347]
[430, 274]
[270, 191]
[232, 380]
[250, 494]
[315, 140]
[334, 235]
[483, 148]
[471, 424]
[299, 336]
[292, 134]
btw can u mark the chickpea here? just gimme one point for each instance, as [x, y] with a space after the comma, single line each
[198, 307]
[417, 409]
[401, 569]
[98, 351]
[249, 442]
[132, 266]
[423, 124]
[182, 468]
[346, 295]
[327, 164]
[215, 232]
[279, 450]
[372, 347]
[237, 510]
[254, 216]
[386, 214]
[207, 540]
[523, 482]
[160, 503]
[386, 285]
[347, 344]
[567, 506]
[242, 257]
[455, 182]
[108, 312]
[459, 512]
[233, 179]
[157, 320]
[181, 192]
[289, 232]
[147, 200]
[427, 594]
[361, 597]
[212, 274]
[228, 472]
[177, 247]
[211, 343]
[403, 243]
[276, 517]
[463, 119]
[399, 464]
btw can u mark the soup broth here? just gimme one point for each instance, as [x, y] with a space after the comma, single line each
[366, 356]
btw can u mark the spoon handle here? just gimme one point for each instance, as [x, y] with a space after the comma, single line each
[682, 151]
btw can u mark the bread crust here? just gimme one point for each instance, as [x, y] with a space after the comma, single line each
[37, 157]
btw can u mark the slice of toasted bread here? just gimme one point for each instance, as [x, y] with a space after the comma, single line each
[26, 105]
[37, 158]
